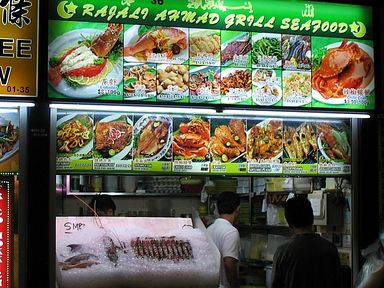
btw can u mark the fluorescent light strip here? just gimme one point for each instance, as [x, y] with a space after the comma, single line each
[8, 110]
[294, 114]
[145, 109]
[16, 104]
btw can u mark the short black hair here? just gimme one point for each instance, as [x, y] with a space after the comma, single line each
[102, 202]
[298, 211]
[227, 202]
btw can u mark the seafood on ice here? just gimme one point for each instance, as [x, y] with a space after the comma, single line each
[90, 61]
[163, 40]
[265, 140]
[229, 141]
[300, 143]
[135, 252]
[334, 143]
[192, 140]
[161, 248]
[346, 66]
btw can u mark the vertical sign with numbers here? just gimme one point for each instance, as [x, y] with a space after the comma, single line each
[5, 249]
[18, 48]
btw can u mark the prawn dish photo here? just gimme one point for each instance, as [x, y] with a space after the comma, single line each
[152, 137]
[155, 44]
[340, 67]
[300, 143]
[229, 141]
[112, 137]
[74, 134]
[191, 140]
[334, 142]
[84, 57]
[265, 140]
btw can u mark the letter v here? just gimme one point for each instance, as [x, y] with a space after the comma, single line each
[4, 75]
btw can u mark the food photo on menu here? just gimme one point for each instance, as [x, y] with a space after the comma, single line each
[342, 71]
[296, 52]
[204, 47]
[173, 83]
[235, 49]
[266, 87]
[204, 84]
[74, 136]
[190, 139]
[334, 142]
[228, 140]
[152, 138]
[85, 60]
[264, 140]
[236, 86]
[113, 136]
[300, 142]
[9, 135]
[266, 50]
[156, 44]
[140, 81]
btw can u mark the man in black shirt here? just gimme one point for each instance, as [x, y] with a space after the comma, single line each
[307, 260]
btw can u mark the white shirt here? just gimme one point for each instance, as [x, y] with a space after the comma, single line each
[227, 240]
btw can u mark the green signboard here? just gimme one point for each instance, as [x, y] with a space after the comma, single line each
[213, 51]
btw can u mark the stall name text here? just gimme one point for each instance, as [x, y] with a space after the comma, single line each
[307, 23]
[14, 13]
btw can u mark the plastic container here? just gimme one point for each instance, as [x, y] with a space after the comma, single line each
[111, 183]
[128, 183]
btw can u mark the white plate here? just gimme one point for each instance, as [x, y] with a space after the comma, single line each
[14, 118]
[131, 36]
[127, 148]
[69, 40]
[84, 150]
[316, 94]
[140, 124]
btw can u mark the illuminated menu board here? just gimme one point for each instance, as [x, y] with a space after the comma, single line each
[216, 52]
[106, 142]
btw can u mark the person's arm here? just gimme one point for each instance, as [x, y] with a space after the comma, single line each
[230, 266]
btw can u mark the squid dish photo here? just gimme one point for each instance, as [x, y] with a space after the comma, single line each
[229, 141]
[147, 40]
[300, 143]
[74, 134]
[191, 140]
[89, 61]
[347, 65]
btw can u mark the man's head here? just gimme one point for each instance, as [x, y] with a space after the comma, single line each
[298, 212]
[103, 205]
[228, 202]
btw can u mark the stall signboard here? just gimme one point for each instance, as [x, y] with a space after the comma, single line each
[193, 144]
[5, 234]
[18, 48]
[10, 139]
[216, 51]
